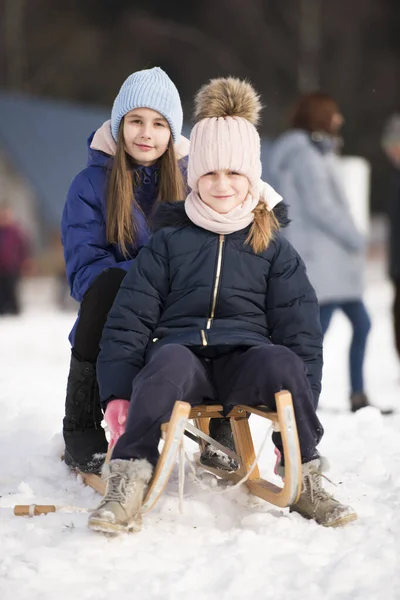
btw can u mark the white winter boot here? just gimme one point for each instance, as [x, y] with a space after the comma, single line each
[120, 509]
[315, 503]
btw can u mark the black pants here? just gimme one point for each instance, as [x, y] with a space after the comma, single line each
[9, 297]
[244, 376]
[95, 306]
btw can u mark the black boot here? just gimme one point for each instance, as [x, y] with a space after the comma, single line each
[221, 431]
[85, 440]
[360, 400]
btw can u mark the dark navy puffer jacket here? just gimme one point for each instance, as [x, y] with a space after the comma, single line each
[83, 224]
[172, 294]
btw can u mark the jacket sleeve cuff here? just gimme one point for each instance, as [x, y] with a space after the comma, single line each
[115, 382]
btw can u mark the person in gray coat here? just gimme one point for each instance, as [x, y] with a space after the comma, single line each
[303, 168]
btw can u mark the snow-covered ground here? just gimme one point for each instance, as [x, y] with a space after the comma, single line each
[224, 546]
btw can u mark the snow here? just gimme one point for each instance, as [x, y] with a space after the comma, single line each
[223, 546]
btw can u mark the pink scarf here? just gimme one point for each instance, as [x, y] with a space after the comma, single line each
[238, 218]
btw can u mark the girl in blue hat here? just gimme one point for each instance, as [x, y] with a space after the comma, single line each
[135, 161]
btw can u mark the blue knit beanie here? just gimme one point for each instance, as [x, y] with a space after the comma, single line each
[151, 88]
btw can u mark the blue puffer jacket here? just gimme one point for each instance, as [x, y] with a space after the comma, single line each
[173, 294]
[83, 224]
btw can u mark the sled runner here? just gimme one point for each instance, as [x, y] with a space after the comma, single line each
[283, 420]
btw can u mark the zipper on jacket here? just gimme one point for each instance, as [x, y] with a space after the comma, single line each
[217, 280]
[203, 338]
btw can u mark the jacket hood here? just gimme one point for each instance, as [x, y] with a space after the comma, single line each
[97, 158]
[173, 214]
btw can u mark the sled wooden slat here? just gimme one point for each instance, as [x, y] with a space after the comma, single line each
[244, 447]
[215, 411]
[203, 425]
[94, 481]
[261, 411]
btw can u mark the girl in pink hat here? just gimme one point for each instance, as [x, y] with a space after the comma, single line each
[217, 308]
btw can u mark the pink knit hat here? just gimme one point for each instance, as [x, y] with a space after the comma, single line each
[224, 143]
[225, 137]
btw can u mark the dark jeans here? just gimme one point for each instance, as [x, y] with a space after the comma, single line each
[9, 294]
[95, 306]
[357, 314]
[244, 376]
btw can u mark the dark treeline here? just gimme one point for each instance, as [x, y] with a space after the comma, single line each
[82, 50]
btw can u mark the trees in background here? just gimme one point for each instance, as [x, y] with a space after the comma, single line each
[83, 49]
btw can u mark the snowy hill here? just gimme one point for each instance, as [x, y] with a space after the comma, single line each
[224, 546]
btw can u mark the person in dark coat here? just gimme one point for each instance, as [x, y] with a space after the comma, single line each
[135, 160]
[217, 308]
[14, 257]
[391, 145]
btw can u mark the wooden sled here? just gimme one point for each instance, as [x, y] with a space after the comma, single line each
[283, 420]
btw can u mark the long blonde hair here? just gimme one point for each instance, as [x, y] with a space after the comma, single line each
[121, 228]
[263, 228]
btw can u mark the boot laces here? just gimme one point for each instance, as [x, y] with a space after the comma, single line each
[312, 483]
[118, 487]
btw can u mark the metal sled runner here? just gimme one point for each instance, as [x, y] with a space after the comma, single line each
[283, 420]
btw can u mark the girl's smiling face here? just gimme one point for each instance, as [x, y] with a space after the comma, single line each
[146, 135]
[223, 190]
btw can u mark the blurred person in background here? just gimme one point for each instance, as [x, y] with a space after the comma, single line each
[53, 265]
[391, 145]
[133, 164]
[303, 168]
[14, 260]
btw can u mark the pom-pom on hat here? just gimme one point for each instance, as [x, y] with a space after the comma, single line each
[225, 136]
